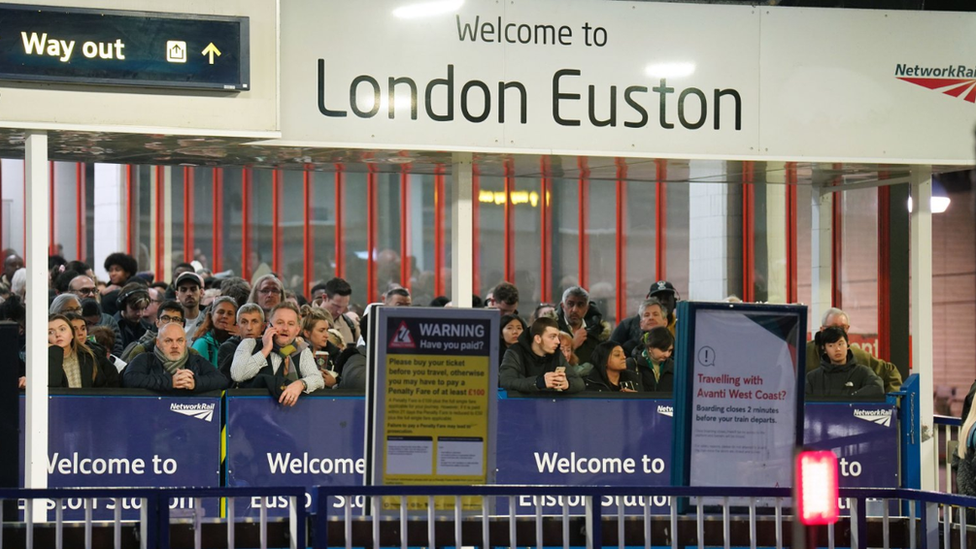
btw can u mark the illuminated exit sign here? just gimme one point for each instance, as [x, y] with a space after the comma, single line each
[123, 48]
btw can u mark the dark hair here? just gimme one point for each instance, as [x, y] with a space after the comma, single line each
[236, 287]
[13, 309]
[402, 292]
[658, 338]
[63, 282]
[170, 306]
[601, 354]
[79, 266]
[505, 292]
[317, 287]
[90, 307]
[540, 325]
[160, 285]
[476, 302]
[337, 286]
[104, 336]
[125, 261]
[131, 292]
[55, 261]
[507, 319]
[183, 265]
[832, 334]
[440, 301]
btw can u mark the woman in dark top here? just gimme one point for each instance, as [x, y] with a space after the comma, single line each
[512, 327]
[73, 364]
[610, 372]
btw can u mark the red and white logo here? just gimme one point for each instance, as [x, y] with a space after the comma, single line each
[402, 338]
[955, 80]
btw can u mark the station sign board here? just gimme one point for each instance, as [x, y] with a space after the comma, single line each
[124, 48]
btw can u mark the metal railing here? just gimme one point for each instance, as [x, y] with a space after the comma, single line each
[946, 438]
[155, 519]
[919, 518]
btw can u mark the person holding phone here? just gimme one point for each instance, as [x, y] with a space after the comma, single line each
[535, 365]
[610, 372]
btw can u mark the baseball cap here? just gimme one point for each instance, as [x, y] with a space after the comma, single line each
[191, 277]
[661, 286]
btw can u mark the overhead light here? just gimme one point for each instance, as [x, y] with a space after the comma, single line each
[670, 70]
[427, 9]
[940, 198]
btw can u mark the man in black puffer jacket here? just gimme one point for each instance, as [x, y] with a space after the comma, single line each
[839, 373]
[531, 365]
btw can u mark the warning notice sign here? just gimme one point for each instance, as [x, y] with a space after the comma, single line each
[436, 379]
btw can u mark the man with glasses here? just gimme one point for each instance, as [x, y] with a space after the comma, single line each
[887, 371]
[189, 291]
[168, 312]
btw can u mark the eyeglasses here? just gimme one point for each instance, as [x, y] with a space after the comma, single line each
[269, 291]
[166, 319]
[76, 310]
[84, 291]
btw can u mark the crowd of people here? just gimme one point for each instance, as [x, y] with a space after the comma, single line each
[199, 334]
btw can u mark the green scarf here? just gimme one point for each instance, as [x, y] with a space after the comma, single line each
[171, 366]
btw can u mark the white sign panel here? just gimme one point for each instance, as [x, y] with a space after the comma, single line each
[744, 391]
[868, 84]
[635, 79]
[563, 77]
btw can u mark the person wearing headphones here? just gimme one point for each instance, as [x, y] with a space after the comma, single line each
[132, 302]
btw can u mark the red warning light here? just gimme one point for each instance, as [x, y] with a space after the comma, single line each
[816, 487]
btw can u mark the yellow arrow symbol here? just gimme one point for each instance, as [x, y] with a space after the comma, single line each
[211, 50]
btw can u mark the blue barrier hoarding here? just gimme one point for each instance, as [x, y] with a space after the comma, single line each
[318, 442]
[102, 441]
[549, 441]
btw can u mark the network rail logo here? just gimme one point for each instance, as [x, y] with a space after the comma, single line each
[953, 80]
[665, 410]
[881, 417]
[199, 411]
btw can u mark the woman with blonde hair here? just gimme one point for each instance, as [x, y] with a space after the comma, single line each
[318, 333]
[72, 364]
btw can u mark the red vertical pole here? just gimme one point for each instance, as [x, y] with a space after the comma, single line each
[661, 219]
[438, 230]
[245, 221]
[791, 268]
[748, 232]
[308, 261]
[81, 223]
[187, 214]
[276, 221]
[475, 229]
[340, 249]
[621, 240]
[159, 229]
[218, 220]
[129, 218]
[837, 233]
[545, 232]
[509, 222]
[583, 200]
[405, 226]
[52, 212]
[884, 268]
[371, 213]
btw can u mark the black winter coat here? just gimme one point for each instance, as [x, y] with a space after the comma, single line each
[521, 369]
[849, 379]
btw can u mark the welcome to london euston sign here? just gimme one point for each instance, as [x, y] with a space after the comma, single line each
[621, 79]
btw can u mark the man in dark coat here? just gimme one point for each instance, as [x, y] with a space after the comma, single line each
[171, 367]
[535, 363]
[581, 319]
